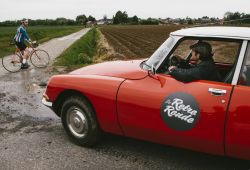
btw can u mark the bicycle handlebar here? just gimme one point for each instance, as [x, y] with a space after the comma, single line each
[32, 44]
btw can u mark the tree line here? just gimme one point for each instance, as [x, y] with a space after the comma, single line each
[123, 18]
[236, 17]
[80, 20]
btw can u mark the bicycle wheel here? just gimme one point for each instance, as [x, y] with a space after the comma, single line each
[39, 58]
[12, 63]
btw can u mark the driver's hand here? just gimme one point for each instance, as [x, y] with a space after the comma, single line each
[171, 67]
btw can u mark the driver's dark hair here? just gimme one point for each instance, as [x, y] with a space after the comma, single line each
[204, 49]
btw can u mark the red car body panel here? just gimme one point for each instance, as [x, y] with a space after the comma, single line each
[100, 84]
[238, 124]
[102, 95]
[121, 69]
[140, 116]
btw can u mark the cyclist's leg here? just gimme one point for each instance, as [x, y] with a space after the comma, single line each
[25, 64]
[25, 52]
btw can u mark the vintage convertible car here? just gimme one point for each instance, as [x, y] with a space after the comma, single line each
[139, 98]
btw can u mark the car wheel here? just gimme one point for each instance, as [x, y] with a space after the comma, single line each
[79, 121]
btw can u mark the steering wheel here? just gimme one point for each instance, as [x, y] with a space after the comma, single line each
[174, 60]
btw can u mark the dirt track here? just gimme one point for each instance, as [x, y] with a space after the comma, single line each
[31, 136]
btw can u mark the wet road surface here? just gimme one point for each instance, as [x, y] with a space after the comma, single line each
[32, 137]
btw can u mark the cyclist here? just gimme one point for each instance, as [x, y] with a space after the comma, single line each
[19, 39]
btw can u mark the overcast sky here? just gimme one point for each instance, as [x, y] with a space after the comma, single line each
[42, 9]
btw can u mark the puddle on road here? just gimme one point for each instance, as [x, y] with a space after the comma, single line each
[21, 94]
[21, 109]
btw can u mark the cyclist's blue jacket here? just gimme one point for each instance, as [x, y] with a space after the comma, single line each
[21, 35]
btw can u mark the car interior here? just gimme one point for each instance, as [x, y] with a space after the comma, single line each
[225, 52]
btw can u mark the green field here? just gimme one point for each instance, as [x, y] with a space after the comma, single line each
[81, 53]
[39, 33]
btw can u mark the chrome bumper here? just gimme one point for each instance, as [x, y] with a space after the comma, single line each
[46, 103]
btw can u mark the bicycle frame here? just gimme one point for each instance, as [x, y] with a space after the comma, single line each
[21, 53]
[38, 57]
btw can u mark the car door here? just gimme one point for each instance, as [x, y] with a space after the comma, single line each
[161, 109]
[238, 121]
[145, 112]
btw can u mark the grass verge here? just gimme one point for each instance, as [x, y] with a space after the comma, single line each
[39, 33]
[81, 53]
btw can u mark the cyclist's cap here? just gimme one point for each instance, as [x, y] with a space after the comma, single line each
[24, 19]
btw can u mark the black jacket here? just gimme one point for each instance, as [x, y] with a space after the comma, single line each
[206, 70]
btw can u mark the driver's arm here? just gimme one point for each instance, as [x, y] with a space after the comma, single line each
[185, 75]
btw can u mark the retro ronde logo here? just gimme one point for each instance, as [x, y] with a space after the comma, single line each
[180, 111]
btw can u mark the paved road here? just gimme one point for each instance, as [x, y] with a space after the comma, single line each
[32, 137]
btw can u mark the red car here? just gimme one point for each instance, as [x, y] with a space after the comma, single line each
[139, 98]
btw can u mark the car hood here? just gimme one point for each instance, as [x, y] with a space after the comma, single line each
[122, 69]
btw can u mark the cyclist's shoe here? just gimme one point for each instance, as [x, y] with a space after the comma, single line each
[25, 66]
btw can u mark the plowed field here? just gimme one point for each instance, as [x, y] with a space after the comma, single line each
[136, 41]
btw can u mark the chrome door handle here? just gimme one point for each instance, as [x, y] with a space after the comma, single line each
[217, 92]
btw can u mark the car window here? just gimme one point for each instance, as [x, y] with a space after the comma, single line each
[225, 54]
[183, 48]
[224, 51]
[244, 78]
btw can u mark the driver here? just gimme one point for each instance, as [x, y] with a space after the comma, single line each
[201, 65]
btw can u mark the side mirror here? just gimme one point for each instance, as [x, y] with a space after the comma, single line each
[152, 72]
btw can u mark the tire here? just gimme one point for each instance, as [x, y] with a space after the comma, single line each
[12, 63]
[40, 58]
[80, 122]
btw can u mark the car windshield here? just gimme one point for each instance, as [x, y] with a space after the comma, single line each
[161, 52]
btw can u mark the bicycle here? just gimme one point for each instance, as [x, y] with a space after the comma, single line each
[38, 57]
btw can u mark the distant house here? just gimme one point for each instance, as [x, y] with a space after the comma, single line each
[175, 21]
[109, 21]
[205, 20]
[91, 23]
[164, 21]
[208, 21]
[104, 22]
[100, 22]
